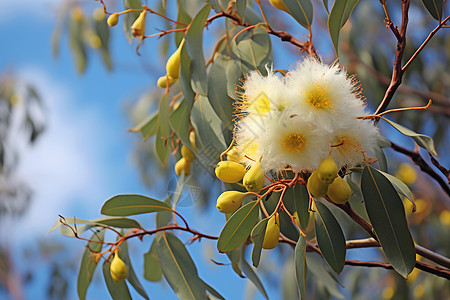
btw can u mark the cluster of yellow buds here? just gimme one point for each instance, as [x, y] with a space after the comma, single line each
[172, 68]
[325, 181]
[184, 164]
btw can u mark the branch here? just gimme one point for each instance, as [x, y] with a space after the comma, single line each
[419, 161]
[397, 72]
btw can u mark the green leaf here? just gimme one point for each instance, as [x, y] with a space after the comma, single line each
[387, 215]
[218, 90]
[127, 205]
[300, 265]
[381, 158]
[77, 44]
[215, 5]
[287, 228]
[330, 238]
[321, 274]
[152, 265]
[301, 197]
[253, 277]
[185, 77]
[434, 7]
[108, 221]
[338, 17]
[235, 257]
[148, 127]
[288, 281]
[257, 237]
[164, 218]
[422, 140]
[233, 76]
[301, 10]
[129, 18]
[238, 227]
[163, 132]
[178, 267]
[212, 291]
[184, 18]
[399, 186]
[194, 46]
[88, 264]
[241, 6]
[179, 121]
[102, 30]
[325, 3]
[132, 278]
[117, 289]
[356, 200]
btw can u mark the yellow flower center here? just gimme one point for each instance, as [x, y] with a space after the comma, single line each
[349, 148]
[294, 142]
[318, 97]
[261, 104]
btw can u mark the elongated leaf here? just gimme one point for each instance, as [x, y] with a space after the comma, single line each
[302, 205]
[117, 289]
[88, 263]
[253, 277]
[102, 30]
[238, 227]
[301, 10]
[422, 140]
[183, 18]
[317, 268]
[387, 215]
[152, 265]
[163, 132]
[132, 278]
[109, 221]
[287, 228]
[127, 205]
[164, 218]
[185, 77]
[178, 267]
[325, 3]
[381, 158]
[330, 238]
[300, 265]
[399, 186]
[179, 121]
[77, 44]
[215, 5]
[338, 17]
[194, 45]
[148, 127]
[212, 291]
[434, 7]
[257, 237]
[288, 281]
[240, 6]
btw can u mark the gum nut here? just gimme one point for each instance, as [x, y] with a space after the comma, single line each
[180, 166]
[162, 81]
[254, 178]
[118, 269]
[339, 191]
[113, 20]
[272, 232]
[229, 171]
[233, 155]
[187, 153]
[315, 186]
[192, 140]
[327, 170]
[229, 201]
[173, 63]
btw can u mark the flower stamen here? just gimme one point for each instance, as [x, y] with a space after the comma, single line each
[294, 142]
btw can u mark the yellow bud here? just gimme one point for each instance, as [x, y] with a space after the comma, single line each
[229, 201]
[444, 217]
[327, 170]
[173, 63]
[183, 165]
[407, 173]
[187, 153]
[254, 178]
[98, 14]
[163, 80]
[280, 5]
[94, 41]
[192, 140]
[315, 186]
[233, 155]
[113, 19]
[229, 171]
[138, 27]
[77, 13]
[272, 232]
[339, 191]
[118, 269]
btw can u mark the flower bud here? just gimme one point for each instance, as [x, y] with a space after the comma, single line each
[280, 5]
[254, 178]
[187, 153]
[163, 80]
[339, 191]
[327, 170]
[173, 63]
[272, 234]
[192, 140]
[113, 20]
[118, 269]
[315, 186]
[138, 27]
[229, 171]
[233, 155]
[229, 201]
[183, 165]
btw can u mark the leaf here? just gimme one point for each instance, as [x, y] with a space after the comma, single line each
[179, 121]
[238, 227]
[88, 264]
[301, 197]
[325, 3]
[129, 18]
[422, 140]
[330, 238]
[301, 10]
[218, 90]
[399, 186]
[288, 281]
[241, 6]
[164, 218]
[77, 44]
[185, 77]
[178, 267]
[215, 5]
[287, 228]
[257, 237]
[300, 265]
[381, 158]
[253, 277]
[387, 215]
[338, 17]
[163, 132]
[117, 289]
[148, 127]
[321, 274]
[102, 30]
[127, 205]
[235, 257]
[434, 7]
[212, 291]
[184, 18]
[194, 47]
[132, 278]
[108, 221]
[152, 265]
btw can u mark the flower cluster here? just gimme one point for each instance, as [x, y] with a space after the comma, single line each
[296, 121]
